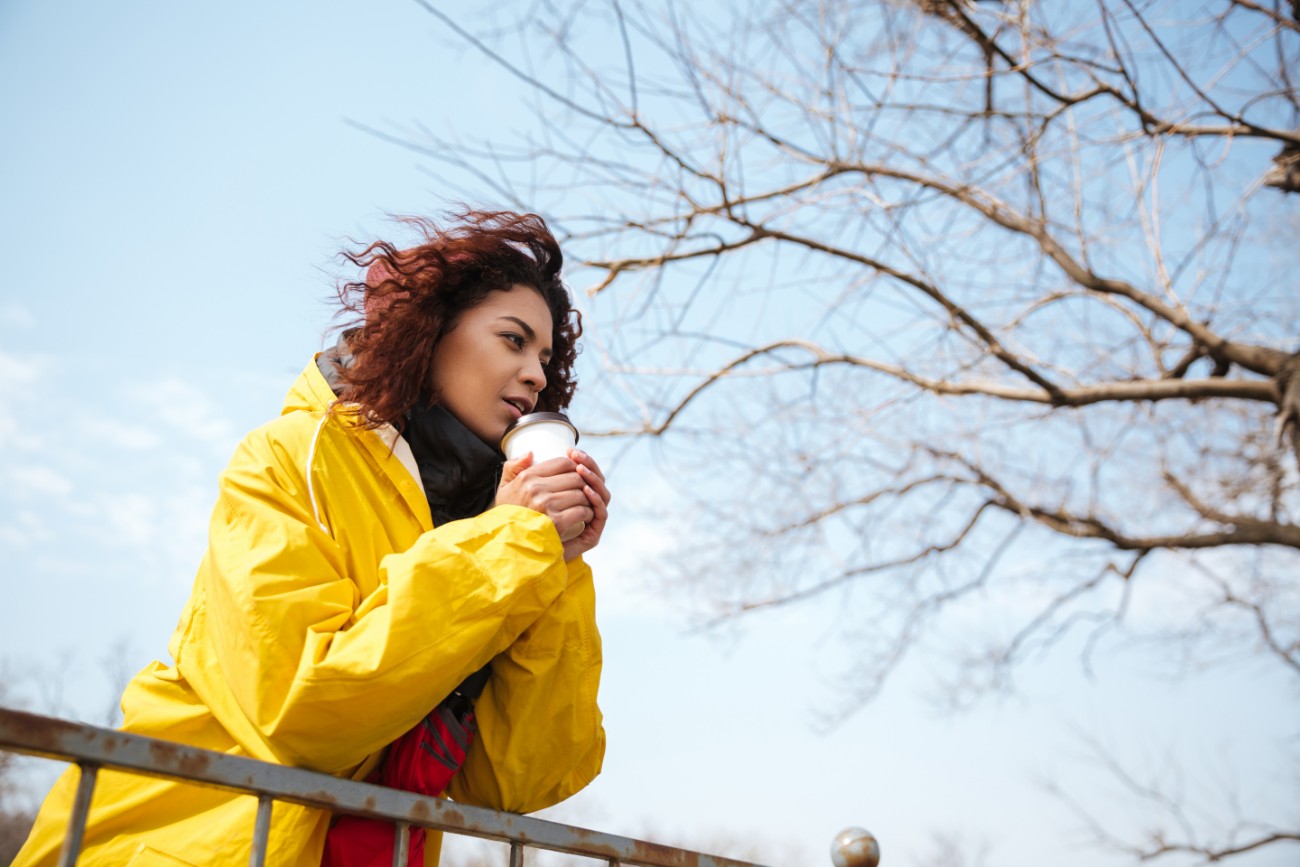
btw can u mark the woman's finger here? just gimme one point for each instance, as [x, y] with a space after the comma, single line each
[594, 481]
[511, 469]
[582, 459]
[540, 485]
[573, 522]
[554, 466]
[599, 507]
[566, 501]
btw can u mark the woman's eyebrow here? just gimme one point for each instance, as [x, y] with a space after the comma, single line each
[528, 329]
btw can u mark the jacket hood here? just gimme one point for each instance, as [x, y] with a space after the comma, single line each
[310, 392]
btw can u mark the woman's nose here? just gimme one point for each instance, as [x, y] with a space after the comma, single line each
[534, 375]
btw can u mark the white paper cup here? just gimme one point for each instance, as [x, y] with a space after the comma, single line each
[546, 434]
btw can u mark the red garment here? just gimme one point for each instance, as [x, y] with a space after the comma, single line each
[422, 761]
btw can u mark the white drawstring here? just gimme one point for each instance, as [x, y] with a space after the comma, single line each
[311, 458]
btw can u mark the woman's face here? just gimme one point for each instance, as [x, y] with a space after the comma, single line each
[488, 369]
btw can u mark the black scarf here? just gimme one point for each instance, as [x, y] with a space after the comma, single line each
[460, 472]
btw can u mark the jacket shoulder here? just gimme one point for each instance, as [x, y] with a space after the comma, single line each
[278, 451]
[289, 435]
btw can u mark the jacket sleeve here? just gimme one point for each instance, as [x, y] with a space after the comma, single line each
[540, 733]
[301, 669]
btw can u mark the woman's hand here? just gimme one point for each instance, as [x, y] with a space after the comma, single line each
[553, 487]
[597, 497]
[570, 491]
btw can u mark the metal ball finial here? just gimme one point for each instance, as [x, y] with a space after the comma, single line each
[855, 847]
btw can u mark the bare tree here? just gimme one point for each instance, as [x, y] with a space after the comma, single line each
[960, 307]
[16, 816]
[1184, 827]
[15, 821]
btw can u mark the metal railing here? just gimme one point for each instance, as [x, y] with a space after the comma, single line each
[92, 748]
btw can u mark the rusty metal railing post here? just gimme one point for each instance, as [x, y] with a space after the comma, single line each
[261, 831]
[80, 810]
[401, 843]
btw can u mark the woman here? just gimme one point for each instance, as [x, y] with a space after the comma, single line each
[371, 564]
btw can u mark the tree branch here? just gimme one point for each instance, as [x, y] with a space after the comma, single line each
[1149, 390]
[1059, 520]
[1259, 359]
[1212, 854]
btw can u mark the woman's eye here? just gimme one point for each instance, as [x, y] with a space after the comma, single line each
[516, 339]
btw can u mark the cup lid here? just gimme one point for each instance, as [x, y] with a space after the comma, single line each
[536, 418]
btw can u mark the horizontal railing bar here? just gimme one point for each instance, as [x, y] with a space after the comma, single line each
[52, 738]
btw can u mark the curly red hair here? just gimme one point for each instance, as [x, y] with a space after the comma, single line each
[414, 296]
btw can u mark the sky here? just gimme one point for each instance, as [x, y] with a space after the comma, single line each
[175, 183]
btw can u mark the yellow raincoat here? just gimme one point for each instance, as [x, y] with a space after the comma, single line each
[327, 618]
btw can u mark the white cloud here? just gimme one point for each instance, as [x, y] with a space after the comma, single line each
[131, 519]
[25, 529]
[12, 436]
[127, 436]
[19, 371]
[159, 527]
[34, 479]
[187, 409]
[17, 316]
[17, 416]
[109, 481]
